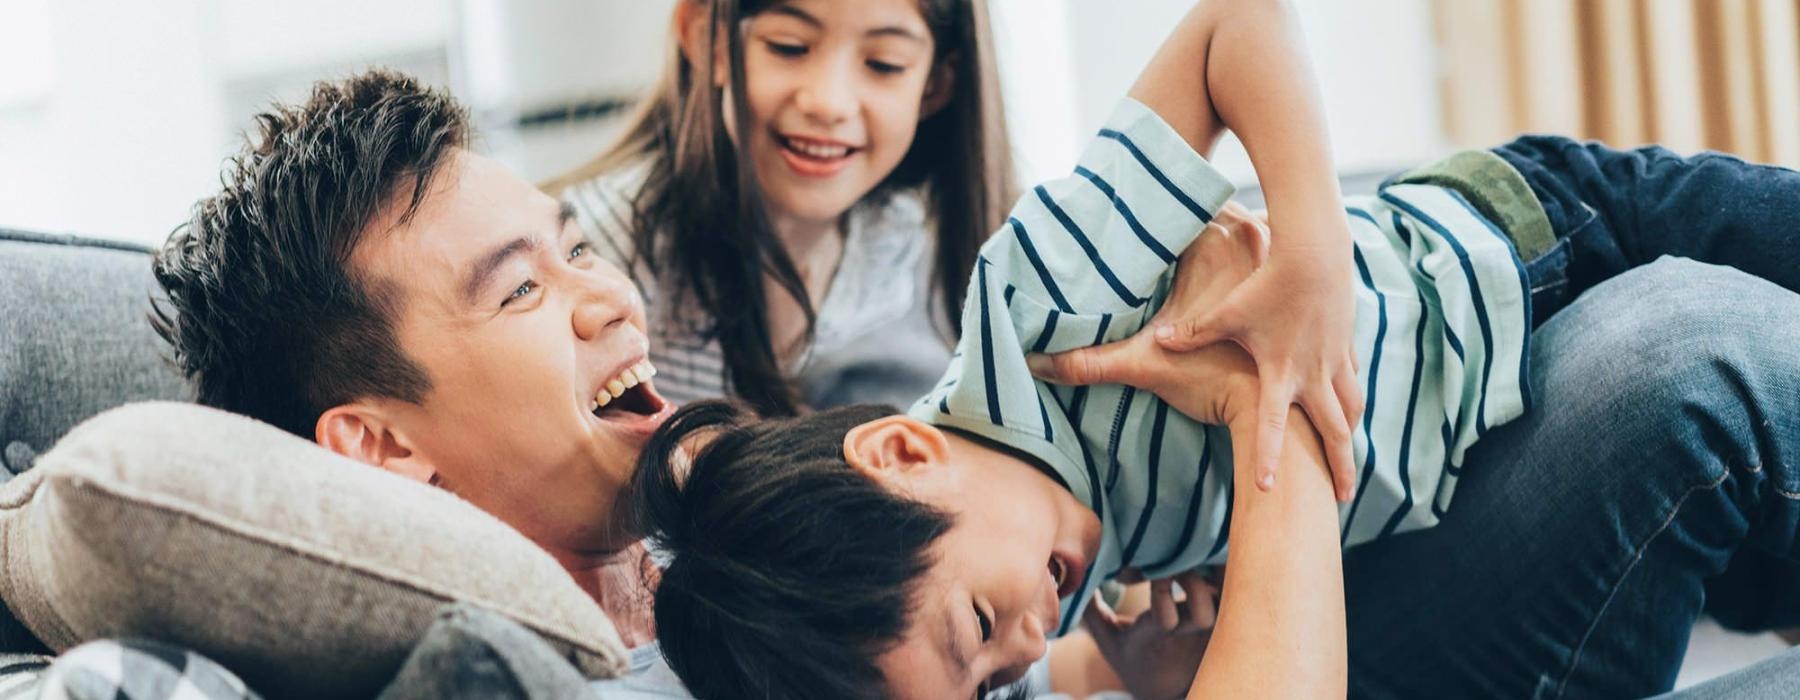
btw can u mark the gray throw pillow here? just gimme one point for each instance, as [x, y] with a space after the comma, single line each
[305, 573]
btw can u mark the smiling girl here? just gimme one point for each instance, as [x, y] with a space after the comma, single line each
[802, 198]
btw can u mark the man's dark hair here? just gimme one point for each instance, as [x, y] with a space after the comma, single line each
[790, 572]
[266, 314]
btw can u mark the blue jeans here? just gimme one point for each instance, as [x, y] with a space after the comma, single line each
[1663, 447]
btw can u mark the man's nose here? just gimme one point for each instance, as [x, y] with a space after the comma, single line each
[603, 305]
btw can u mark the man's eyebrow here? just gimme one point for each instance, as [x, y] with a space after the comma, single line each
[482, 273]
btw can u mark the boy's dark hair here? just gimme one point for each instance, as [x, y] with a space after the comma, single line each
[266, 314]
[790, 572]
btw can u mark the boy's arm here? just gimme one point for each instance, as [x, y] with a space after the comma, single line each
[1241, 65]
[1281, 630]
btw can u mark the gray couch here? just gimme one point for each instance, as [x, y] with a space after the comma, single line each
[75, 340]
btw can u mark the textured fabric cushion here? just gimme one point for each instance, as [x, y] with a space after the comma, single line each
[473, 654]
[74, 337]
[305, 573]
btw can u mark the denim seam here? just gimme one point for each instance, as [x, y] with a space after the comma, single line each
[1636, 557]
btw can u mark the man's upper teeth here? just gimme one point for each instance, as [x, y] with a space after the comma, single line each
[632, 376]
[817, 150]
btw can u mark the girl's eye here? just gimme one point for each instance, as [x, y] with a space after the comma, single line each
[787, 50]
[886, 68]
[520, 292]
[579, 250]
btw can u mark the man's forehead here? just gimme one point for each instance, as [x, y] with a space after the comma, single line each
[471, 204]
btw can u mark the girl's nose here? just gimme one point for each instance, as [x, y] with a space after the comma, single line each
[828, 98]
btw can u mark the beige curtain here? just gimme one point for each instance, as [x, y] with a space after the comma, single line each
[1688, 74]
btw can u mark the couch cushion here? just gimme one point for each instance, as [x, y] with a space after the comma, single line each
[306, 573]
[74, 337]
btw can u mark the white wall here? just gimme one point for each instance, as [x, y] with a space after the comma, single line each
[116, 116]
[1374, 60]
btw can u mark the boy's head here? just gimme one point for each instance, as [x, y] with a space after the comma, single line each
[853, 553]
[364, 280]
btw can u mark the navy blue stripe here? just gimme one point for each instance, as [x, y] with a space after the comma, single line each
[1525, 397]
[1449, 333]
[987, 346]
[1195, 498]
[1449, 448]
[1361, 214]
[1412, 405]
[1044, 413]
[1008, 295]
[1043, 340]
[1193, 207]
[1100, 335]
[1120, 415]
[1362, 485]
[1481, 317]
[944, 399]
[1143, 523]
[1225, 528]
[1131, 220]
[1077, 400]
[1037, 263]
[1087, 247]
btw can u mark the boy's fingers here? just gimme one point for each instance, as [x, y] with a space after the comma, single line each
[1162, 603]
[1183, 335]
[1271, 427]
[1349, 394]
[1101, 364]
[1327, 415]
[1202, 609]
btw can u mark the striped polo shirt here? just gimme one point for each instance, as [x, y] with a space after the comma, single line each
[1442, 321]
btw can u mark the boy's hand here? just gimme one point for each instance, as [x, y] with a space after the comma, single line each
[1213, 384]
[1295, 315]
[1156, 652]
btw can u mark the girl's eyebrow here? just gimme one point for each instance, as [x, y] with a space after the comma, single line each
[894, 30]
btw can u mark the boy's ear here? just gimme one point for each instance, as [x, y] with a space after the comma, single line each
[693, 22]
[895, 447]
[939, 88]
[364, 432]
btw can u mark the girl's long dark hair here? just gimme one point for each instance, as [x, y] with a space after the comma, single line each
[699, 222]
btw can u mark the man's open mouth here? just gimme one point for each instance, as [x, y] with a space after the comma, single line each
[629, 396]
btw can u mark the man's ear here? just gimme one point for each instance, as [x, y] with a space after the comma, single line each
[939, 88]
[693, 23]
[365, 433]
[895, 448]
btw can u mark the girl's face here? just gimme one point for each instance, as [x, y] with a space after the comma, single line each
[836, 89]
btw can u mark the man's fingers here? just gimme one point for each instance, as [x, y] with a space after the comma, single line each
[1101, 364]
[1271, 427]
[1162, 603]
[1327, 415]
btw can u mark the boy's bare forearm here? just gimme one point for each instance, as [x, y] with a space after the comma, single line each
[1280, 631]
[1242, 65]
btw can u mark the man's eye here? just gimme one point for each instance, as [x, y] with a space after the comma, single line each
[987, 626]
[787, 50]
[520, 292]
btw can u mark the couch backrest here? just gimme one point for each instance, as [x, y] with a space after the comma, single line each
[75, 338]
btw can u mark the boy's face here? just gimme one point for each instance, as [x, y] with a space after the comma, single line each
[991, 599]
[519, 326]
